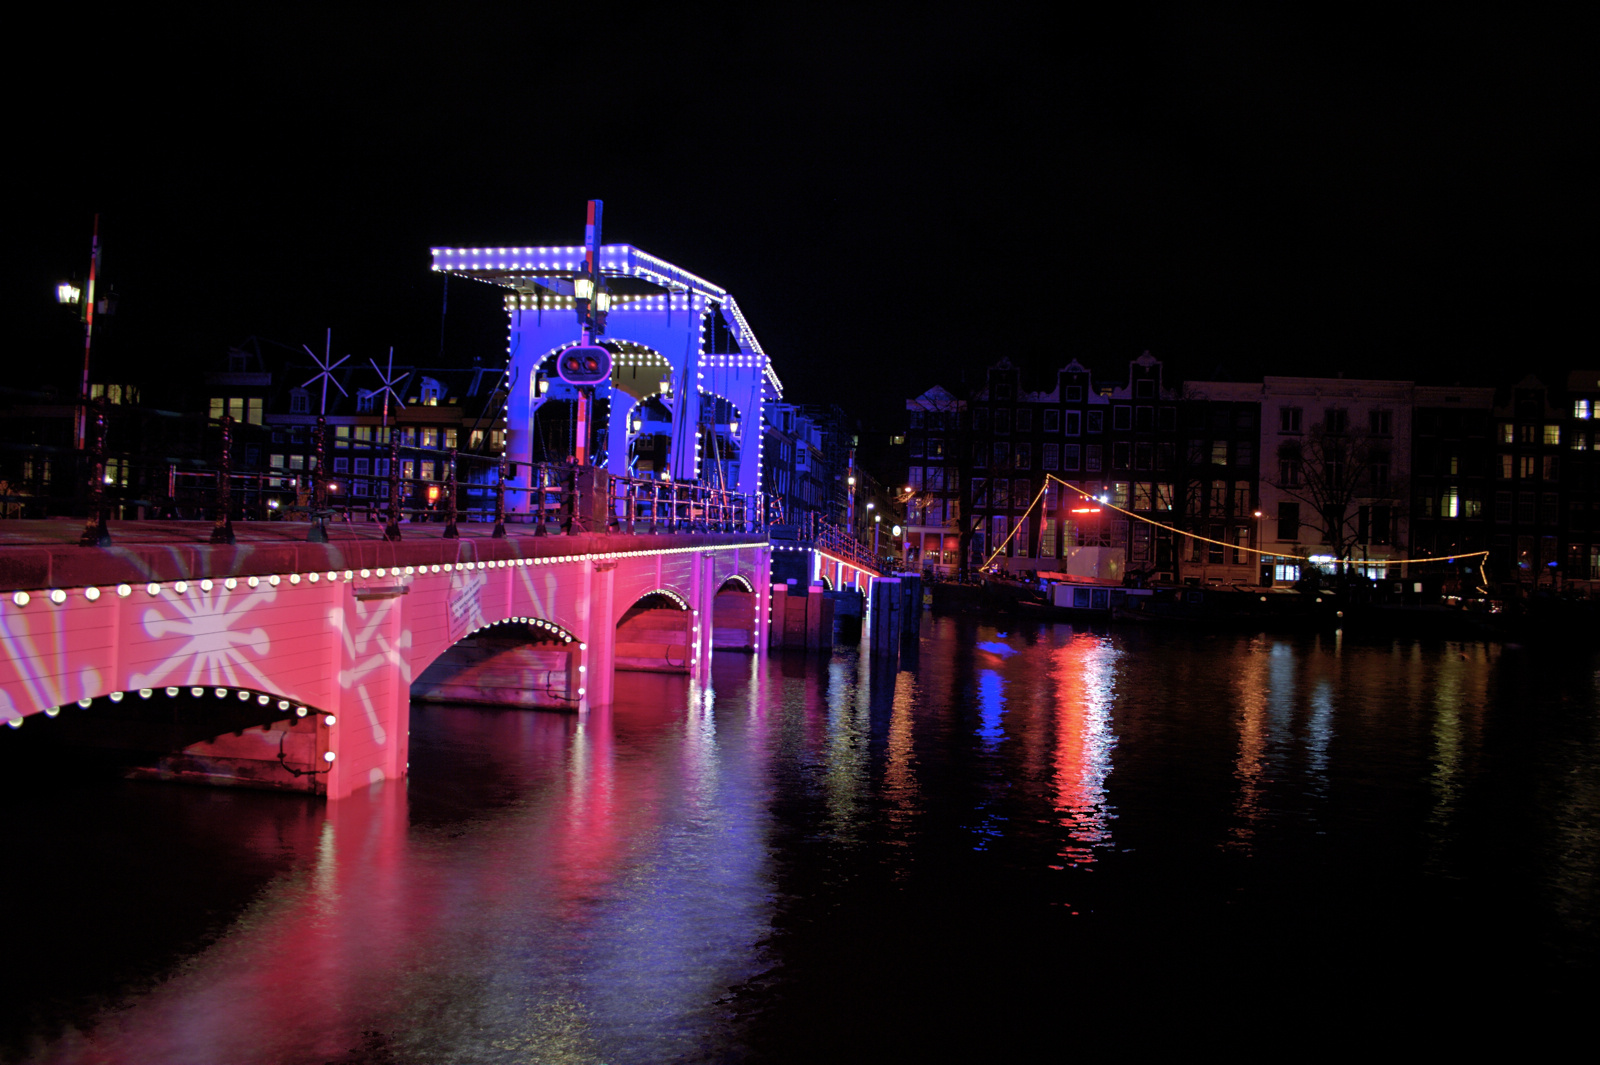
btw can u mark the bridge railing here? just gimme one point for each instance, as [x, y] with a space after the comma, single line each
[837, 540]
[562, 497]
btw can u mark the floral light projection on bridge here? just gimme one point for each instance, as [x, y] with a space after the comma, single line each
[368, 649]
[26, 655]
[217, 648]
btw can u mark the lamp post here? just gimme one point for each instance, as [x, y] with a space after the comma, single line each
[877, 520]
[1263, 570]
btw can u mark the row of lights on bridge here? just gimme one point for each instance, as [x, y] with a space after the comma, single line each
[197, 691]
[92, 593]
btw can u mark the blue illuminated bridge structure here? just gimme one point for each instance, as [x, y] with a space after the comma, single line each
[683, 400]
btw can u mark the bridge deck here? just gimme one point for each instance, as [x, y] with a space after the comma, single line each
[45, 554]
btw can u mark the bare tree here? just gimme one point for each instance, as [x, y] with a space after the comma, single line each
[1343, 479]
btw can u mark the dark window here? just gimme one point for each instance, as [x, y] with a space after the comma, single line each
[1289, 521]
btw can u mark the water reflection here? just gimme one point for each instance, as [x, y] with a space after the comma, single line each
[772, 861]
[1084, 675]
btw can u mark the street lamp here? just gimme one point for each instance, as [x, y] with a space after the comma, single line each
[876, 525]
[1262, 573]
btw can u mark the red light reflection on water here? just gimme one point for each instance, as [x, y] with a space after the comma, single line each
[1084, 674]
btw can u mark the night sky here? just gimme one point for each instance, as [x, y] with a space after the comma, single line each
[890, 196]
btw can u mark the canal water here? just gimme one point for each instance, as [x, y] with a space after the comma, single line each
[1011, 844]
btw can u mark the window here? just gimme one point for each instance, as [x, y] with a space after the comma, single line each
[1506, 466]
[1579, 442]
[1219, 452]
[1335, 420]
[1002, 420]
[935, 447]
[1450, 504]
[935, 478]
[363, 467]
[1378, 422]
[1052, 421]
[1002, 455]
[1121, 418]
[1142, 496]
[1144, 419]
[1024, 420]
[980, 489]
[1000, 493]
[1070, 454]
[1244, 454]
[1289, 419]
[1163, 495]
[1549, 467]
[1581, 409]
[1289, 521]
[1552, 435]
[1505, 434]
[341, 465]
[1074, 422]
[1097, 421]
[1074, 393]
[1120, 496]
[1024, 456]
[914, 477]
[1378, 473]
[1121, 455]
[299, 401]
[980, 420]
[1092, 459]
[1526, 465]
[1052, 454]
[914, 419]
[1142, 452]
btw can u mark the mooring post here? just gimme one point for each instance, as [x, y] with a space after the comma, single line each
[500, 498]
[95, 533]
[391, 531]
[450, 531]
[222, 528]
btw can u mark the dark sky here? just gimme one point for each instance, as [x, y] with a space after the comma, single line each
[888, 195]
